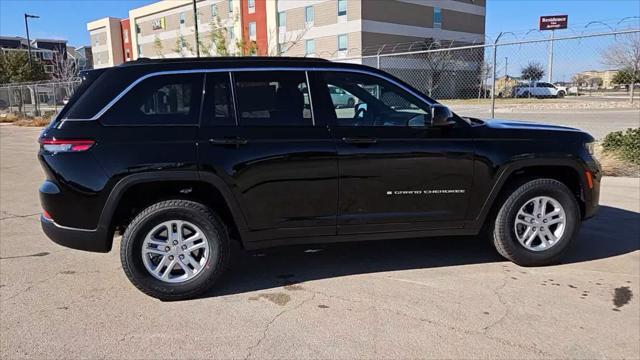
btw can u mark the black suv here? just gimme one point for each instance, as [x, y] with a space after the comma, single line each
[185, 157]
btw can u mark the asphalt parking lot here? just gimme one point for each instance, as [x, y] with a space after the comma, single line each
[423, 298]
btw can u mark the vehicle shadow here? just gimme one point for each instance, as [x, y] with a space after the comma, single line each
[611, 233]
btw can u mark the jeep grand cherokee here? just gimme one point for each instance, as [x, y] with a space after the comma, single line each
[184, 157]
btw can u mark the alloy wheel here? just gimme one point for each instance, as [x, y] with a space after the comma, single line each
[175, 251]
[540, 223]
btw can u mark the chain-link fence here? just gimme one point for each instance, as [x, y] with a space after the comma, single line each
[38, 98]
[595, 68]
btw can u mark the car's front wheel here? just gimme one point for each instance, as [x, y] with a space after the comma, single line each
[536, 223]
[175, 249]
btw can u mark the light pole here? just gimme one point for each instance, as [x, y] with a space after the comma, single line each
[26, 25]
[195, 23]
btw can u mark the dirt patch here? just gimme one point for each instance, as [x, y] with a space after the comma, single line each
[622, 296]
[280, 299]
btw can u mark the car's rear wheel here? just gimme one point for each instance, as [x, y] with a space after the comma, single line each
[175, 249]
[560, 94]
[536, 223]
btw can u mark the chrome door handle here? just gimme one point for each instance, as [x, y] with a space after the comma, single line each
[359, 140]
[228, 141]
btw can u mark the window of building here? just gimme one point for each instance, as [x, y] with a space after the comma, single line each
[310, 47]
[232, 33]
[182, 20]
[309, 15]
[342, 7]
[47, 55]
[343, 42]
[274, 98]
[437, 18]
[230, 5]
[218, 98]
[140, 51]
[127, 55]
[214, 10]
[48, 69]
[252, 6]
[365, 100]
[161, 100]
[252, 31]
[96, 42]
[125, 35]
[282, 19]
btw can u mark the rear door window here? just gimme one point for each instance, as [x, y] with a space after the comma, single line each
[218, 110]
[274, 98]
[159, 100]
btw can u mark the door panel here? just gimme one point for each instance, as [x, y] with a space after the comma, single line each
[281, 168]
[396, 177]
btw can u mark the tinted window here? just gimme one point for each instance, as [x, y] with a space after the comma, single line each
[365, 100]
[274, 98]
[218, 101]
[159, 100]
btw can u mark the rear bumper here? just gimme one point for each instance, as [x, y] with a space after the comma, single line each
[80, 239]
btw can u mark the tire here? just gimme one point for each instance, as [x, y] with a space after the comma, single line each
[525, 94]
[505, 238]
[192, 214]
[560, 94]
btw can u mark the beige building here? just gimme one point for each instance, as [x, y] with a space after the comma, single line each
[166, 28]
[343, 28]
[606, 76]
[106, 42]
[324, 28]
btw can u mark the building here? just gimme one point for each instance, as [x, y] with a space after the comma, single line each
[45, 50]
[341, 28]
[106, 42]
[588, 77]
[325, 28]
[82, 56]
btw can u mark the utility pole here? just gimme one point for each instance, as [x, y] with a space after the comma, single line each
[551, 56]
[195, 22]
[26, 25]
[506, 65]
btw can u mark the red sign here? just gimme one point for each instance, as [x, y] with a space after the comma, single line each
[554, 22]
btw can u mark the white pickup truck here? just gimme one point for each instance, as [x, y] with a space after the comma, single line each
[538, 89]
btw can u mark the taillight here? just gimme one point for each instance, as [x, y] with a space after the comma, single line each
[59, 145]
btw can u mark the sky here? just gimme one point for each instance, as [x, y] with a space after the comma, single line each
[67, 19]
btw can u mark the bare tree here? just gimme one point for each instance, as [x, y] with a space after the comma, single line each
[158, 47]
[486, 70]
[625, 54]
[437, 62]
[289, 40]
[64, 68]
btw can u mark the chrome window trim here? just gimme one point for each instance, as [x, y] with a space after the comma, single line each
[247, 69]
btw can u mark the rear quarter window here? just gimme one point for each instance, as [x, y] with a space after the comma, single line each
[159, 100]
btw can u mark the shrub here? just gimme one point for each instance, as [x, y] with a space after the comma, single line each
[624, 143]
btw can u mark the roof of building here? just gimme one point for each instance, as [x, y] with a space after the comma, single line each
[49, 40]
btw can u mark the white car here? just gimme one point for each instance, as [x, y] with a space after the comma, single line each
[341, 98]
[538, 89]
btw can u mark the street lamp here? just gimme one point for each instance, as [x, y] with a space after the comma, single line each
[26, 25]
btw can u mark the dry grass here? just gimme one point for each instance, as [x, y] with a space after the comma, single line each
[33, 122]
[22, 120]
[614, 165]
[8, 118]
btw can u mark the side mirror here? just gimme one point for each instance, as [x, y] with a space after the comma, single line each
[441, 116]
